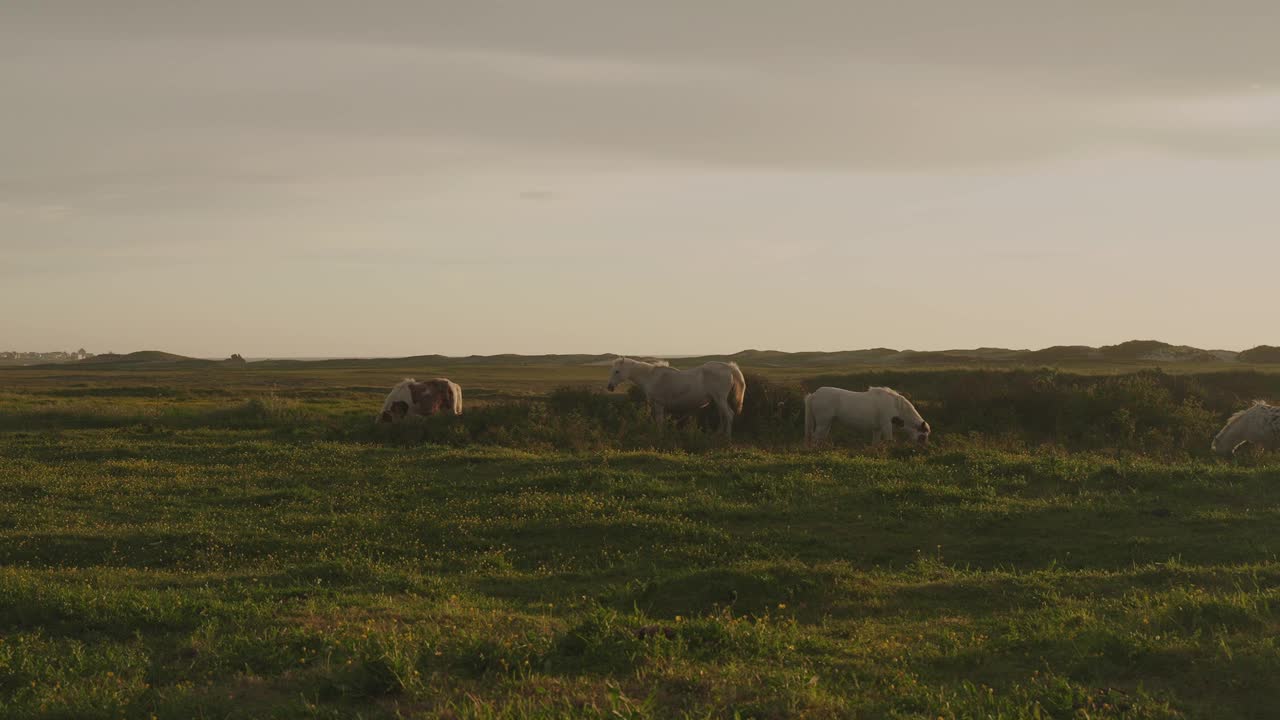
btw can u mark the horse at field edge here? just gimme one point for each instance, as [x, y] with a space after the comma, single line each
[667, 388]
[1258, 424]
[879, 409]
[410, 397]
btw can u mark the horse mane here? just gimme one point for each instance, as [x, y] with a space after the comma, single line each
[1239, 414]
[903, 403]
[656, 363]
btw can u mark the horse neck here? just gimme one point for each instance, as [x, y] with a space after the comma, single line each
[908, 411]
[640, 372]
[1231, 435]
[1238, 431]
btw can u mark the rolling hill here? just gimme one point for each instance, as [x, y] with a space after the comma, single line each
[1132, 353]
[141, 360]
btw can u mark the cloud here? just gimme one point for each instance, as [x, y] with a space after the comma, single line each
[1187, 44]
[1241, 123]
[241, 106]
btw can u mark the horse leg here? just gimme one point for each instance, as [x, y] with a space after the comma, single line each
[659, 416]
[821, 429]
[886, 432]
[726, 415]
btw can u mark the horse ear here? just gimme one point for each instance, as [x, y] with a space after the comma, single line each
[897, 422]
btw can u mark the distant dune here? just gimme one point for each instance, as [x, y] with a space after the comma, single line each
[136, 358]
[1133, 352]
[1260, 354]
[142, 359]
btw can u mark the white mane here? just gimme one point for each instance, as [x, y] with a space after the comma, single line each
[400, 392]
[904, 405]
[1256, 404]
[629, 361]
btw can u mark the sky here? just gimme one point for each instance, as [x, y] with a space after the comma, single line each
[324, 178]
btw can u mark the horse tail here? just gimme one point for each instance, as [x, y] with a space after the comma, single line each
[808, 418]
[738, 389]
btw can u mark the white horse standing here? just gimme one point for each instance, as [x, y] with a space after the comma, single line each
[1258, 424]
[667, 388]
[879, 410]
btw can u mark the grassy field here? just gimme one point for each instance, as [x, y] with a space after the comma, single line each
[237, 543]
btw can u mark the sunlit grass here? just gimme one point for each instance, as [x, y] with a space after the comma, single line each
[188, 552]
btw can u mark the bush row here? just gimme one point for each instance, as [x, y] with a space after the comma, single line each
[1150, 411]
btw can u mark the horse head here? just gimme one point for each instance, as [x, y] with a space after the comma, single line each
[922, 430]
[395, 411]
[618, 375]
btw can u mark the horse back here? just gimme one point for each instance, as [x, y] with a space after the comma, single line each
[677, 389]
[431, 396]
[851, 406]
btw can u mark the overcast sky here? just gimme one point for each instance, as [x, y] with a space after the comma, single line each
[392, 178]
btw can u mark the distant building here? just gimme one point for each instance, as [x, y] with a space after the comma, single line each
[18, 357]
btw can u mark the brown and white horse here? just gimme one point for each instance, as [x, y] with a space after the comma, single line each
[411, 397]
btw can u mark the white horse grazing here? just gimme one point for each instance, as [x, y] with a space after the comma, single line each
[410, 397]
[667, 388]
[1258, 424]
[879, 410]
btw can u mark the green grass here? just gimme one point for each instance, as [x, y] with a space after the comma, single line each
[197, 545]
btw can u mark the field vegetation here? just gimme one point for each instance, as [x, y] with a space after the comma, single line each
[244, 542]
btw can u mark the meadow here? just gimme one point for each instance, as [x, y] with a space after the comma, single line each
[244, 543]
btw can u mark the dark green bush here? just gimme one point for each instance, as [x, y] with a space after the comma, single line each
[1146, 410]
[772, 412]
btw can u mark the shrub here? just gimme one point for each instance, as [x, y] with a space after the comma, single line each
[1149, 410]
[772, 412]
[260, 412]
